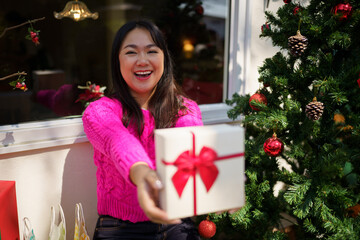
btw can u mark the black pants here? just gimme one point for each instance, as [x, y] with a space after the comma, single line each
[110, 228]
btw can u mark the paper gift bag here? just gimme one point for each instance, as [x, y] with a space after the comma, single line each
[57, 231]
[80, 229]
[28, 233]
[202, 169]
[9, 223]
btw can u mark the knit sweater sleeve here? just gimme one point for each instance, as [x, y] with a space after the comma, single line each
[191, 116]
[104, 129]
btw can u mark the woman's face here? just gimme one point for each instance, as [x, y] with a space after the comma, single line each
[141, 63]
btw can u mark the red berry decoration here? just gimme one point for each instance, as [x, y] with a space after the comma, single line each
[296, 10]
[265, 26]
[273, 146]
[342, 11]
[36, 40]
[18, 85]
[358, 81]
[258, 97]
[21, 86]
[287, 1]
[33, 35]
[199, 10]
[207, 228]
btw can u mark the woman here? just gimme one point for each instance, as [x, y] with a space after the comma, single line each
[120, 128]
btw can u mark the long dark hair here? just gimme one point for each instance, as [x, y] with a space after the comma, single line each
[166, 101]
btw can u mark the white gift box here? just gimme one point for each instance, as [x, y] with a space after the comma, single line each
[215, 155]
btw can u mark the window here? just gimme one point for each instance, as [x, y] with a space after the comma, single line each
[72, 54]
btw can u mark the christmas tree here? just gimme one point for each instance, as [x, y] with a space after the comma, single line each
[306, 116]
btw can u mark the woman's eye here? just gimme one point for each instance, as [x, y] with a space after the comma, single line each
[153, 51]
[130, 52]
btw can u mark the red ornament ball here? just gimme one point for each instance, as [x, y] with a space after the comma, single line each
[273, 146]
[258, 97]
[354, 211]
[358, 81]
[207, 228]
[287, 1]
[342, 11]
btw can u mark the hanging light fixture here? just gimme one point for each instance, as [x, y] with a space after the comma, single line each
[76, 10]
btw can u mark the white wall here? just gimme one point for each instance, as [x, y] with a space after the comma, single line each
[260, 48]
[49, 176]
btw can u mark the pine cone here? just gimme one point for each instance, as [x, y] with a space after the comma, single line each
[314, 110]
[297, 44]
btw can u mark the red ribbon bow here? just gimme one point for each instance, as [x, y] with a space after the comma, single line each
[188, 164]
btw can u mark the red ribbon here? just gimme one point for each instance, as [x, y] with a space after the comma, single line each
[188, 163]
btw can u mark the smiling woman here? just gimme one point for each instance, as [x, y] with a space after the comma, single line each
[121, 129]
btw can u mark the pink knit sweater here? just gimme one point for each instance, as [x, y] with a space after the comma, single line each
[117, 148]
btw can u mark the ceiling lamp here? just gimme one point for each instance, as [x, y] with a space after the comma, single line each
[76, 10]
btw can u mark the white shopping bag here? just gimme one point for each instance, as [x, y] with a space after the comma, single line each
[80, 229]
[28, 233]
[57, 231]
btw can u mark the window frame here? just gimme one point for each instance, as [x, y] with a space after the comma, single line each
[65, 131]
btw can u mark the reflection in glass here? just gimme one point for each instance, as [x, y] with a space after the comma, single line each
[196, 37]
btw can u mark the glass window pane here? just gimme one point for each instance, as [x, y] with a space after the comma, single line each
[73, 54]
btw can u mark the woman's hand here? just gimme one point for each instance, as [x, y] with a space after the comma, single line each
[148, 187]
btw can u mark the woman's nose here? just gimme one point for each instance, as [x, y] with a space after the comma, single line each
[142, 60]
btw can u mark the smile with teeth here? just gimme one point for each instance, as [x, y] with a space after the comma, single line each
[143, 74]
